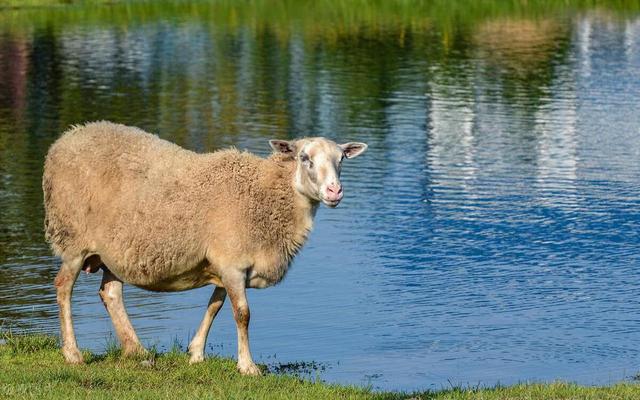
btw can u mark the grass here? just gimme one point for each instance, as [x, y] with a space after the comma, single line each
[312, 16]
[32, 368]
[49, 3]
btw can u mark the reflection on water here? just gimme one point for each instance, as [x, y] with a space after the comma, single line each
[490, 233]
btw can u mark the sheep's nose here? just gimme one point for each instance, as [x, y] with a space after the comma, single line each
[334, 192]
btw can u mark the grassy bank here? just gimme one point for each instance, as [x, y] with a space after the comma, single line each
[19, 4]
[31, 367]
[313, 17]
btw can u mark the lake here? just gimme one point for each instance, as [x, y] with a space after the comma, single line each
[490, 234]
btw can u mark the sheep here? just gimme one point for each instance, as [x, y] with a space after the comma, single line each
[152, 214]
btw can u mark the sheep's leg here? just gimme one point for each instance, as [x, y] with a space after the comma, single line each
[235, 287]
[196, 347]
[64, 282]
[111, 295]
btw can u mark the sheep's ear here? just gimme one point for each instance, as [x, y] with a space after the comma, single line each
[353, 149]
[283, 146]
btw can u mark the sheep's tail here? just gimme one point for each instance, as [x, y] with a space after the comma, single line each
[46, 189]
[56, 232]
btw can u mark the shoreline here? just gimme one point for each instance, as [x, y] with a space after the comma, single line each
[33, 367]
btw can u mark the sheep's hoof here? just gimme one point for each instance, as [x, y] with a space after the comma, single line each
[196, 358]
[72, 356]
[249, 369]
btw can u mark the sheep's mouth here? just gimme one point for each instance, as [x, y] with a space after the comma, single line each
[331, 203]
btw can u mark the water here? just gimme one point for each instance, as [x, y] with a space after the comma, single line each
[490, 233]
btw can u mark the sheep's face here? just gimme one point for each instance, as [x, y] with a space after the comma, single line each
[319, 161]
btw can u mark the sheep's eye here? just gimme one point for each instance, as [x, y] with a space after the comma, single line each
[305, 160]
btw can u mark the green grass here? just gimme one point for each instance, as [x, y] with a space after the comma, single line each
[31, 367]
[311, 16]
[17, 4]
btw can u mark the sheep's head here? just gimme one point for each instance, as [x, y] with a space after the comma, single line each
[319, 161]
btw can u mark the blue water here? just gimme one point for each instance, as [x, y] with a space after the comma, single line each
[491, 233]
